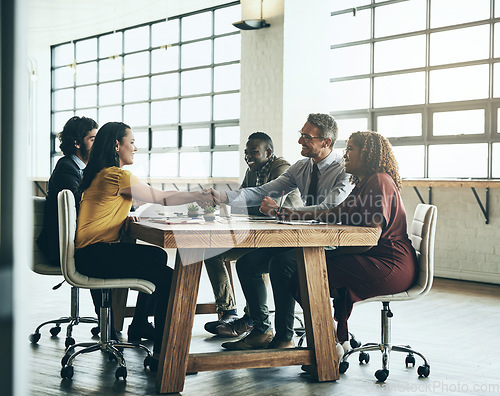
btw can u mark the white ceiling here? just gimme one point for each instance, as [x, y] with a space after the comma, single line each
[56, 21]
[62, 20]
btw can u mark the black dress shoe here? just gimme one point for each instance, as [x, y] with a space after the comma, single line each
[211, 327]
[136, 333]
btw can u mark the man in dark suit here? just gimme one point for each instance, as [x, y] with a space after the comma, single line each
[76, 140]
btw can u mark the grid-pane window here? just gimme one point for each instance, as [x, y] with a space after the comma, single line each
[425, 74]
[349, 125]
[496, 160]
[176, 82]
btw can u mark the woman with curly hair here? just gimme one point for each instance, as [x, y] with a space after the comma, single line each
[356, 273]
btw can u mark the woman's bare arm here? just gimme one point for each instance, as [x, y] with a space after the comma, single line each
[145, 193]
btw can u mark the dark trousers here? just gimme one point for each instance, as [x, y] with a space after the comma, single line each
[127, 260]
[280, 263]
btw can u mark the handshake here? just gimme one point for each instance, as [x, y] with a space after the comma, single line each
[210, 197]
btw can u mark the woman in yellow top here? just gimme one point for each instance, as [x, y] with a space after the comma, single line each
[106, 201]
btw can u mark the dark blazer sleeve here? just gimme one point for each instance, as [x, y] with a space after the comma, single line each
[66, 175]
[281, 167]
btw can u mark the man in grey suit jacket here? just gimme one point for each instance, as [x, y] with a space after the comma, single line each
[323, 184]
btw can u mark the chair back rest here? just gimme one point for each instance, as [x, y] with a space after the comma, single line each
[40, 264]
[67, 229]
[38, 213]
[422, 235]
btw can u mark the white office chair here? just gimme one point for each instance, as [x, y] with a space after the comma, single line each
[423, 230]
[67, 228]
[40, 265]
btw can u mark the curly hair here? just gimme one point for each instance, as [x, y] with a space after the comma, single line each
[74, 131]
[376, 155]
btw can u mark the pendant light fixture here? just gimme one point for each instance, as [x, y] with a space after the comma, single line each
[252, 24]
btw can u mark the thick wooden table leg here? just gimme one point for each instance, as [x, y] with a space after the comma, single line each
[315, 296]
[179, 321]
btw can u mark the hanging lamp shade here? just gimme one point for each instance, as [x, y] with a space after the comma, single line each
[251, 21]
[251, 24]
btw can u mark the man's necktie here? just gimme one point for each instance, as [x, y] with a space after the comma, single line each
[313, 187]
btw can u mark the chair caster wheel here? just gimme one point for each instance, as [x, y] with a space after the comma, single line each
[95, 331]
[148, 362]
[121, 372]
[343, 366]
[55, 331]
[364, 357]
[34, 338]
[69, 341]
[67, 372]
[410, 359]
[354, 343]
[424, 371]
[381, 375]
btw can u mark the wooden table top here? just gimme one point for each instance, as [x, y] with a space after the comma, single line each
[250, 234]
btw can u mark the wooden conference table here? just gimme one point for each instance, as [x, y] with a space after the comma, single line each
[191, 240]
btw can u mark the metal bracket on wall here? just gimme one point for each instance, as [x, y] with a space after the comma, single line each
[40, 188]
[486, 207]
[420, 196]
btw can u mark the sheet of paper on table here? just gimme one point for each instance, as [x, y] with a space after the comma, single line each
[246, 218]
[174, 220]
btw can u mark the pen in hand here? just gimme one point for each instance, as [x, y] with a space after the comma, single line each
[281, 202]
